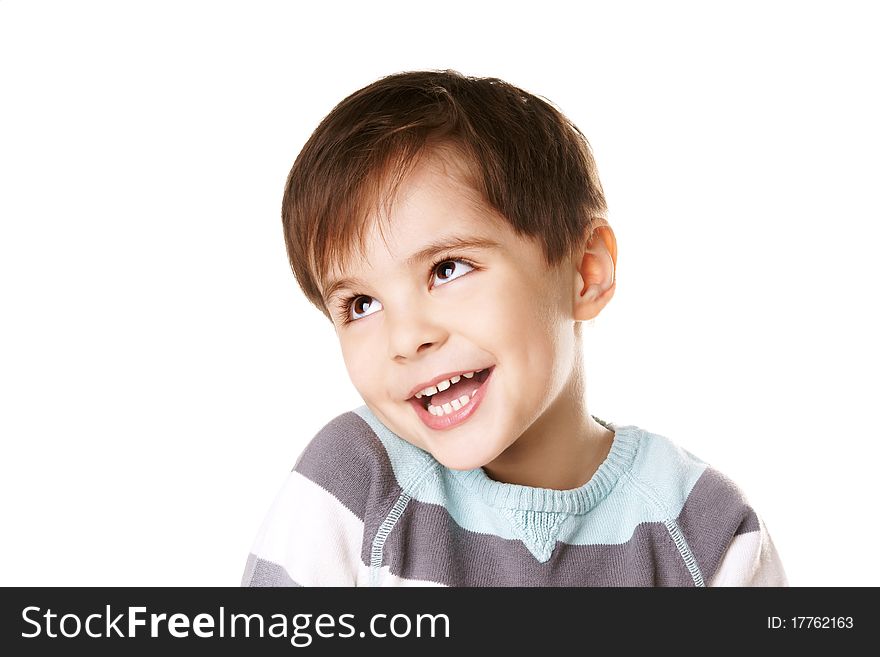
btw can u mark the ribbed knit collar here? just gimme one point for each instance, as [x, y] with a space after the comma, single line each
[579, 500]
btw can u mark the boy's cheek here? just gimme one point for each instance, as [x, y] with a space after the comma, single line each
[359, 376]
[358, 370]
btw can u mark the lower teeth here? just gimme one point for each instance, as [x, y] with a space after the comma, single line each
[449, 407]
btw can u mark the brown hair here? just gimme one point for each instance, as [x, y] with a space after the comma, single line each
[528, 162]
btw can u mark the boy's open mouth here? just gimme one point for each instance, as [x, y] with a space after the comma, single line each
[455, 392]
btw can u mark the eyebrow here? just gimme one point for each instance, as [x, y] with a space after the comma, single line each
[451, 243]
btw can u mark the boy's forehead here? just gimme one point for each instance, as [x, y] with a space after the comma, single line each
[380, 244]
[448, 182]
[441, 172]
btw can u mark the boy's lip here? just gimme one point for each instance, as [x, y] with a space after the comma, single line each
[443, 377]
[456, 417]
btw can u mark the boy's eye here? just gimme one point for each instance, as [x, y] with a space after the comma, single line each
[449, 270]
[364, 305]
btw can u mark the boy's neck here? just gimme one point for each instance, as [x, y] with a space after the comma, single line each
[561, 450]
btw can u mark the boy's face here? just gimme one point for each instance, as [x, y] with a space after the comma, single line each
[501, 310]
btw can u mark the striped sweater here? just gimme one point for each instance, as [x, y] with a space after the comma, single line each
[363, 507]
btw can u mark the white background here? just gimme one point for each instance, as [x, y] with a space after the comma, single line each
[160, 370]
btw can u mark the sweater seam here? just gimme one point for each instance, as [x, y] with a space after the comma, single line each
[416, 480]
[690, 561]
[377, 549]
[407, 492]
[649, 493]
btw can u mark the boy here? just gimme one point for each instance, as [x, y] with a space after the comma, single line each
[452, 230]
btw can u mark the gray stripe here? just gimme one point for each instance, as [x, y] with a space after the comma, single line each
[714, 512]
[259, 572]
[348, 460]
[750, 524]
[427, 544]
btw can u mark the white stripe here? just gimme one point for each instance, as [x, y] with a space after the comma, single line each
[750, 560]
[315, 537]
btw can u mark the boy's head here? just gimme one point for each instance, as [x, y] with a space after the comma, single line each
[445, 225]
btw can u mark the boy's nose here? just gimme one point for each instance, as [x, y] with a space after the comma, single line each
[411, 337]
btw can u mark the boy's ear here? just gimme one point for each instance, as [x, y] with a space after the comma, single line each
[595, 278]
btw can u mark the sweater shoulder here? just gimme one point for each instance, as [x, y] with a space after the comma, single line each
[681, 481]
[716, 513]
[347, 459]
[664, 472]
[707, 506]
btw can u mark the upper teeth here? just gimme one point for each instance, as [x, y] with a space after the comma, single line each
[443, 385]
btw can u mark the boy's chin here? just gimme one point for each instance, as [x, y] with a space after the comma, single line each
[455, 461]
